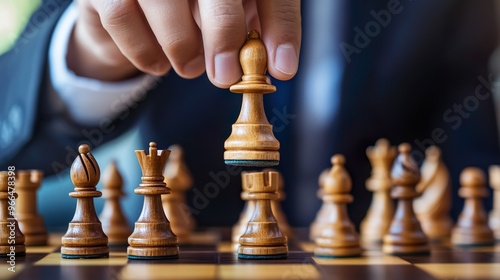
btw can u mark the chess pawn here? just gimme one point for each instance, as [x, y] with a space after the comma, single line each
[179, 180]
[324, 211]
[276, 207]
[85, 237]
[405, 235]
[30, 222]
[240, 227]
[338, 238]
[433, 205]
[494, 221]
[114, 223]
[262, 238]
[10, 234]
[152, 238]
[472, 225]
[252, 142]
[378, 218]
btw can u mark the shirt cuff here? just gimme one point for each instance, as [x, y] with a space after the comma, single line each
[90, 101]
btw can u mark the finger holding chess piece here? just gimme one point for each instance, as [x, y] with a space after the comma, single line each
[252, 142]
[472, 226]
[85, 238]
[11, 236]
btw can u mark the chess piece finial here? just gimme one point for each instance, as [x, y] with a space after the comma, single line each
[179, 179]
[494, 220]
[114, 222]
[8, 222]
[405, 235]
[30, 222]
[85, 237]
[433, 205]
[262, 238]
[472, 226]
[152, 238]
[252, 142]
[381, 210]
[337, 238]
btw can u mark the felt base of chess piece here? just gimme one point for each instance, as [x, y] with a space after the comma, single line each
[253, 163]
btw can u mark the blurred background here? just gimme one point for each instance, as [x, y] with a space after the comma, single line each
[14, 15]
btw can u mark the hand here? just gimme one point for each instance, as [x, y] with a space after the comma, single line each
[115, 39]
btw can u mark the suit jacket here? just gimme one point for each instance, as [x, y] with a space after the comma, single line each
[422, 78]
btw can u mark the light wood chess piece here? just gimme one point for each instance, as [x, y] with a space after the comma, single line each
[241, 226]
[494, 220]
[322, 217]
[152, 238]
[405, 235]
[276, 206]
[262, 238]
[30, 222]
[472, 226]
[433, 205]
[8, 222]
[379, 216]
[338, 238]
[114, 223]
[252, 142]
[178, 178]
[85, 238]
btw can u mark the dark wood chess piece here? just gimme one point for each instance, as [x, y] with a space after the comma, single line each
[8, 223]
[85, 238]
[152, 238]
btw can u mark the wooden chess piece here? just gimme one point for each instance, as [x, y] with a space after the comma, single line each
[276, 207]
[241, 226]
[113, 220]
[433, 205]
[252, 142]
[338, 238]
[152, 238]
[322, 217]
[85, 238]
[405, 235]
[379, 216]
[178, 178]
[11, 236]
[472, 226]
[494, 220]
[262, 238]
[30, 222]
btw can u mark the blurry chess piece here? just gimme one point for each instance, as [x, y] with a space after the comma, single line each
[338, 238]
[405, 235]
[114, 223]
[152, 238]
[379, 216]
[241, 226]
[30, 222]
[85, 238]
[472, 226]
[323, 214]
[252, 142]
[8, 222]
[276, 206]
[494, 220]
[433, 205]
[262, 238]
[178, 178]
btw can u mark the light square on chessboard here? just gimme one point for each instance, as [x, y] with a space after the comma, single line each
[115, 258]
[168, 271]
[462, 270]
[268, 271]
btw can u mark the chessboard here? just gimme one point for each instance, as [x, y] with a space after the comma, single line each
[209, 255]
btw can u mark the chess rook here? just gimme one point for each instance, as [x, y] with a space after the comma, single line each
[30, 222]
[252, 142]
[152, 237]
[240, 227]
[8, 223]
[262, 238]
[276, 207]
[378, 218]
[337, 238]
[114, 223]
[85, 237]
[494, 220]
[405, 235]
[472, 226]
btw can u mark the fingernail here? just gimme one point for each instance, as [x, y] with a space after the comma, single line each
[286, 60]
[227, 68]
